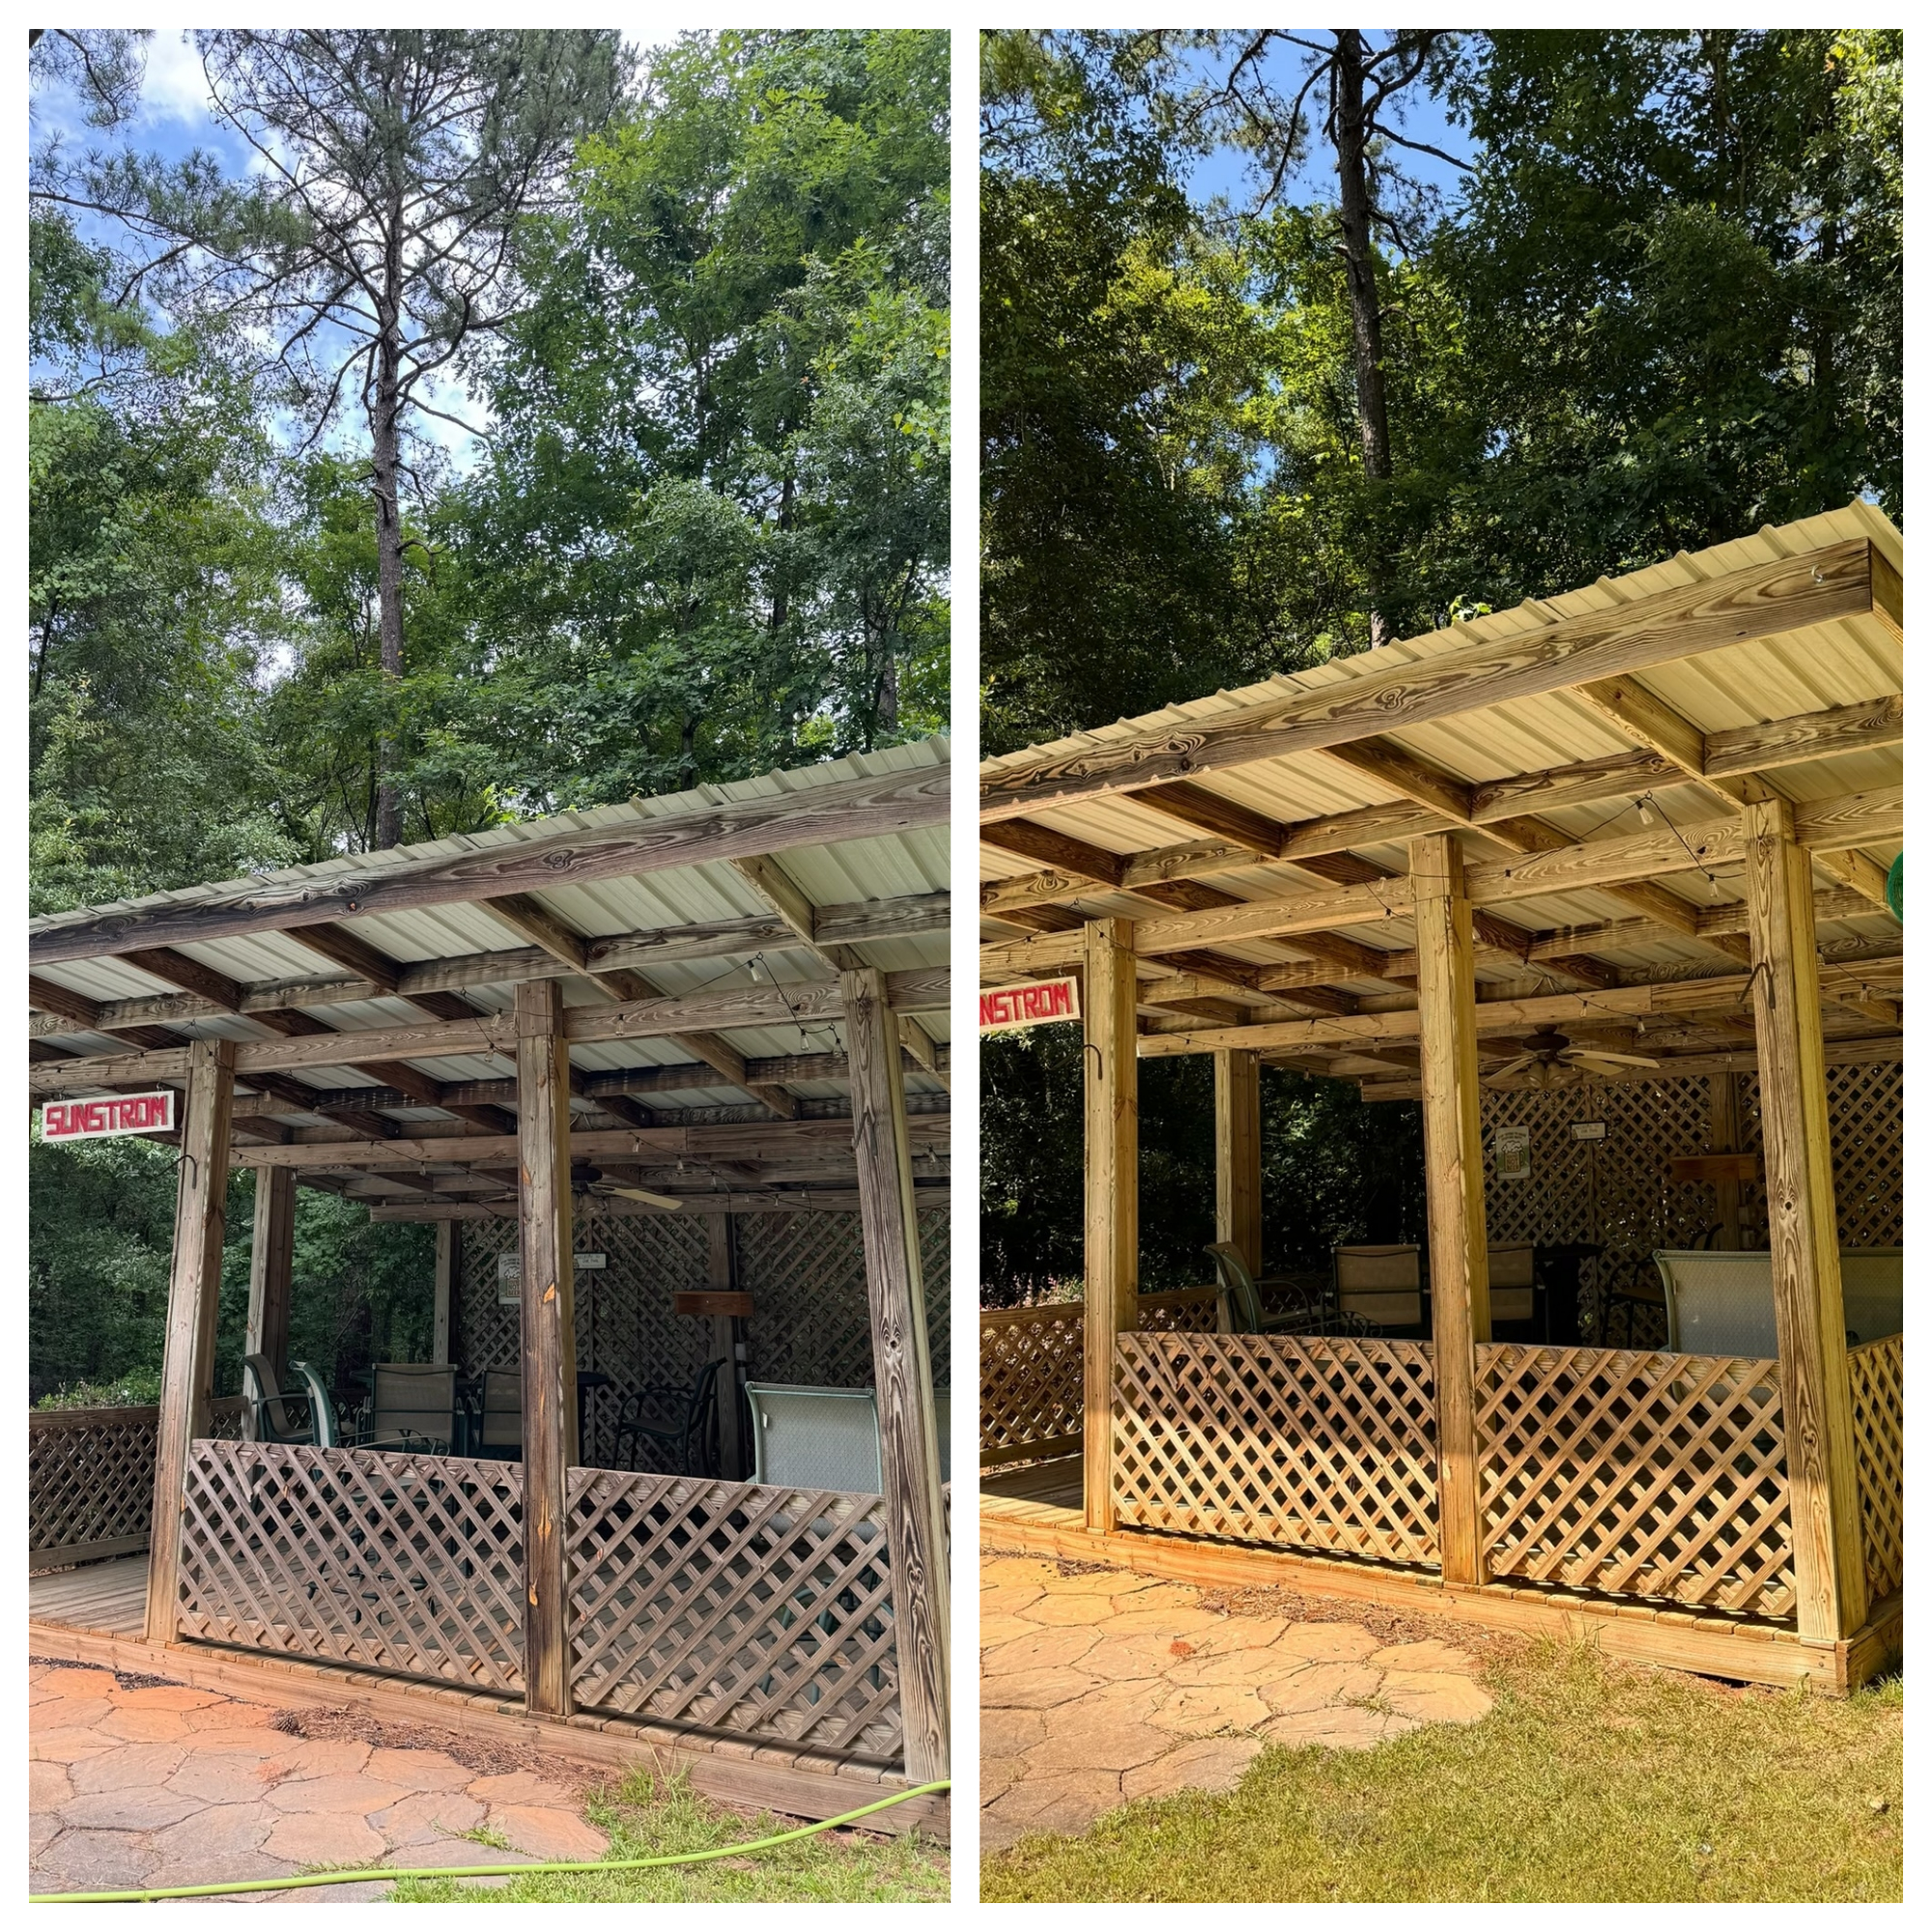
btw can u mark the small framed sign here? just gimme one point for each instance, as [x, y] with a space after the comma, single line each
[582, 1262]
[510, 1273]
[1586, 1130]
[1005, 1009]
[1512, 1153]
[111, 1114]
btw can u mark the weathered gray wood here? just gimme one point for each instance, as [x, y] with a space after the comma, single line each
[860, 808]
[194, 1299]
[1452, 1135]
[721, 1274]
[1762, 599]
[909, 1462]
[1112, 1249]
[548, 1346]
[270, 1268]
[1808, 1293]
[448, 1287]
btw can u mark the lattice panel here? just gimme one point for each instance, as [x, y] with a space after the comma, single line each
[1878, 1432]
[1643, 1474]
[1868, 1153]
[1032, 1396]
[1319, 1443]
[489, 1334]
[403, 1563]
[764, 1612]
[90, 1476]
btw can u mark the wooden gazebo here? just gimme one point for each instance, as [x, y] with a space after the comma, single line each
[704, 1034]
[1655, 816]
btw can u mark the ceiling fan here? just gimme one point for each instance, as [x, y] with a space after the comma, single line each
[587, 1179]
[1547, 1055]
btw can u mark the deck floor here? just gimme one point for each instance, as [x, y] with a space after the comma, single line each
[110, 1597]
[1056, 1484]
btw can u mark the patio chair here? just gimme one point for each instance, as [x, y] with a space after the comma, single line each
[697, 1428]
[1381, 1283]
[327, 1430]
[500, 1427]
[828, 1439]
[1720, 1302]
[273, 1416]
[1241, 1310]
[413, 1407]
[1874, 1281]
[1513, 1282]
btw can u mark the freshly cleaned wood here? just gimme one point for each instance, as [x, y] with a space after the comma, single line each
[1813, 734]
[909, 1465]
[549, 1346]
[1452, 1139]
[194, 1299]
[861, 807]
[1761, 600]
[272, 1267]
[1808, 1291]
[1112, 1194]
[1237, 1154]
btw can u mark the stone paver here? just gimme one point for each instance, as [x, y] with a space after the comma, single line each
[1099, 1687]
[158, 1784]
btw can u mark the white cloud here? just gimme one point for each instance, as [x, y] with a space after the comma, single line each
[175, 89]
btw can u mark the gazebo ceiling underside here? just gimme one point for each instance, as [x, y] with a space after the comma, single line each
[746, 1104]
[1625, 787]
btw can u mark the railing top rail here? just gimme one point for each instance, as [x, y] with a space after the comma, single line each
[1064, 1310]
[120, 1415]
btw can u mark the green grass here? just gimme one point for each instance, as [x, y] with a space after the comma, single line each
[647, 1816]
[1587, 1781]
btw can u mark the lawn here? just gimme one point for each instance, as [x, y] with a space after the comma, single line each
[1587, 1781]
[647, 1816]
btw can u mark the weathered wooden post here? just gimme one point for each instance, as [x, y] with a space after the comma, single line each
[550, 1349]
[271, 1258]
[1452, 1142]
[1113, 1194]
[909, 1462]
[1801, 1205]
[720, 1276]
[1238, 1153]
[448, 1272]
[194, 1299]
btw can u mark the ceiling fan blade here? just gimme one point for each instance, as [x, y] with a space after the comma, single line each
[1595, 1053]
[666, 1201]
[1514, 1066]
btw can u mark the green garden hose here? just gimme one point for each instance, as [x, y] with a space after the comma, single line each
[388, 1874]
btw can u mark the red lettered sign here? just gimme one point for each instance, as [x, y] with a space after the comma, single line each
[1006, 1007]
[112, 1114]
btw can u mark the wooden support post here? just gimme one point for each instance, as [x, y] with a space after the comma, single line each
[1238, 1153]
[1452, 1140]
[902, 1375]
[271, 1258]
[1725, 1140]
[194, 1299]
[1113, 1194]
[449, 1272]
[550, 1350]
[1801, 1207]
[719, 1275]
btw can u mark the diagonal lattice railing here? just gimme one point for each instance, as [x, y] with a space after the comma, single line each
[734, 1606]
[403, 1563]
[1878, 1435]
[1321, 1444]
[1639, 1473]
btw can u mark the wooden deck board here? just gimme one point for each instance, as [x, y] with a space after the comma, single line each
[110, 1597]
[1056, 1484]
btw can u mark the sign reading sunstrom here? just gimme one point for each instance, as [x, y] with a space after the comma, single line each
[112, 1114]
[1006, 1007]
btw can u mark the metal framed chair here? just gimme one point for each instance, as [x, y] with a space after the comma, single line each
[327, 1430]
[696, 1408]
[1241, 1309]
[1513, 1283]
[1381, 1283]
[499, 1421]
[274, 1415]
[413, 1407]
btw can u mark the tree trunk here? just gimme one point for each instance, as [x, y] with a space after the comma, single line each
[1352, 136]
[385, 427]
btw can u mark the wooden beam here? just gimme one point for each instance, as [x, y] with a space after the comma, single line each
[1237, 1154]
[549, 1344]
[909, 1461]
[272, 1257]
[1760, 601]
[867, 807]
[1452, 1135]
[194, 1299]
[1806, 1290]
[448, 1291]
[1414, 779]
[1112, 1194]
[1813, 734]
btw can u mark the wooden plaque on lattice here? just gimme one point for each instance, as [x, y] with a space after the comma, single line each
[1643, 1474]
[1319, 1443]
[1878, 1433]
[410, 1564]
[756, 1612]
